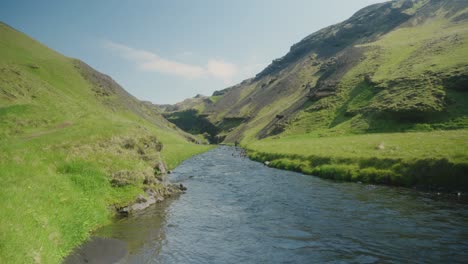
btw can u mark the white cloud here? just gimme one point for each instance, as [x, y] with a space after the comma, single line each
[222, 70]
[149, 61]
[173, 67]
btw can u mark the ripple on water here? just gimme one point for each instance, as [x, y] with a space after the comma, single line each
[239, 211]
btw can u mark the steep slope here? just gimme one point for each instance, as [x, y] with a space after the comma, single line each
[399, 66]
[400, 62]
[73, 145]
[188, 116]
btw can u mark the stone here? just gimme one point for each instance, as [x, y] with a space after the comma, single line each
[123, 211]
[141, 199]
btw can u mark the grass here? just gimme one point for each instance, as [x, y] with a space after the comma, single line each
[394, 116]
[404, 90]
[61, 143]
[430, 159]
[215, 98]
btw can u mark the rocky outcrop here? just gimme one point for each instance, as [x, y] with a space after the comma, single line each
[364, 26]
[151, 197]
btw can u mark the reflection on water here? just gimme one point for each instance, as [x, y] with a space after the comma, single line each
[239, 211]
[143, 232]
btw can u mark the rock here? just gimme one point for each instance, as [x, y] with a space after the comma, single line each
[151, 179]
[160, 168]
[143, 204]
[182, 187]
[123, 211]
[141, 199]
[121, 178]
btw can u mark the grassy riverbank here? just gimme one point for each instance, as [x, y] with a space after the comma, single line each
[437, 158]
[55, 192]
[73, 146]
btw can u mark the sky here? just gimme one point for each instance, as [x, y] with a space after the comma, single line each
[168, 50]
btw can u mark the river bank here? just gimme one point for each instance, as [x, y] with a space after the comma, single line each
[429, 160]
[102, 249]
[67, 187]
[238, 210]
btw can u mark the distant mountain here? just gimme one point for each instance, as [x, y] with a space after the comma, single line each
[394, 66]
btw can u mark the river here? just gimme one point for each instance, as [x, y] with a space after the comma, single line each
[239, 211]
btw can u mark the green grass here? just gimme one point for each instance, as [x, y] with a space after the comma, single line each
[431, 159]
[438, 144]
[60, 145]
[215, 98]
[395, 90]
[405, 90]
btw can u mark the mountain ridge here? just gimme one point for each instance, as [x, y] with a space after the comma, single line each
[315, 75]
[379, 100]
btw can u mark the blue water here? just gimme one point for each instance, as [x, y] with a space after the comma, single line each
[239, 211]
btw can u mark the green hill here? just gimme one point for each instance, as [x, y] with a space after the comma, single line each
[74, 145]
[391, 69]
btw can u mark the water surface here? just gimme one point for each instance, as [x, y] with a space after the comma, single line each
[239, 211]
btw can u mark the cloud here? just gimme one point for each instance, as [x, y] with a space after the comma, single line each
[173, 67]
[221, 70]
[148, 61]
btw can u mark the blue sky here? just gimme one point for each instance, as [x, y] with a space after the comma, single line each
[166, 51]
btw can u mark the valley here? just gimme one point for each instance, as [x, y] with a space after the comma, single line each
[378, 99]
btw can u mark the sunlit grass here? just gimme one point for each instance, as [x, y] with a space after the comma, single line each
[59, 145]
[437, 158]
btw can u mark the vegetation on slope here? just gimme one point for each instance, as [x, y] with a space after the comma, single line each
[74, 145]
[394, 67]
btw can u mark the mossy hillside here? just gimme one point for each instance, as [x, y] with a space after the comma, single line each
[67, 157]
[390, 70]
[399, 86]
[406, 77]
[191, 122]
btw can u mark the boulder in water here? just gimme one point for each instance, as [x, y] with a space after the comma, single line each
[182, 187]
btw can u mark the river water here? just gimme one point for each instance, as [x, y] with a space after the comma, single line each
[239, 211]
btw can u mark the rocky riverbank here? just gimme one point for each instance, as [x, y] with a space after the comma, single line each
[107, 250]
[152, 196]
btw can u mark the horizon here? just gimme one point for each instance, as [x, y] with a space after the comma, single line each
[150, 53]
